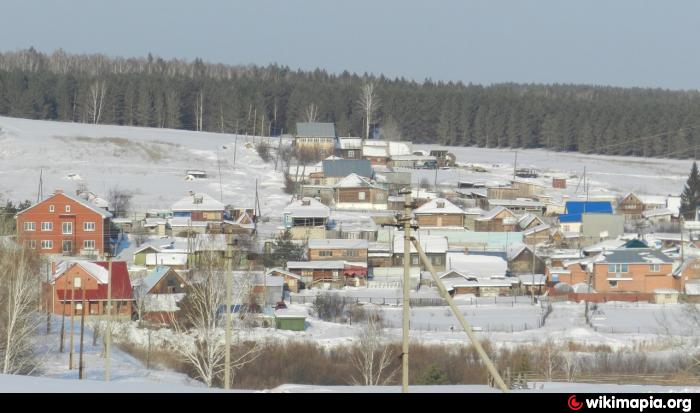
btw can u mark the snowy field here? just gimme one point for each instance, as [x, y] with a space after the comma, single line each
[606, 174]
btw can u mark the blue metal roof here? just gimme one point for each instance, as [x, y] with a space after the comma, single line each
[568, 218]
[344, 167]
[154, 276]
[579, 207]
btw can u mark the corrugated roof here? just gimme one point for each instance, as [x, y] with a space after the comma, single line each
[434, 207]
[579, 207]
[153, 277]
[345, 167]
[350, 143]
[315, 130]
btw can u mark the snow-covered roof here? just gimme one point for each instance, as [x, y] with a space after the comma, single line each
[527, 279]
[99, 272]
[582, 288]
[87, 204]
[374, 151]
[307, 208]
[652, 199]
[658, 212]
[527, 219]
[665, 291]
[476, 265]
[198, 202]
[514, 249]
[284, 272]
[474, 211]
[491, 214]
[166, 258]
[692, 288]
[355, 181]
[154, 276]
[516, 203]
[431, 244]
[186, 222]
[338, 243]
[438, 206]
[609, 244]
[320, 265]
[152, 222]
[533, 230]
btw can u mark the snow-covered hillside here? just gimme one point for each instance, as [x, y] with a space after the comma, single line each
[149, 161]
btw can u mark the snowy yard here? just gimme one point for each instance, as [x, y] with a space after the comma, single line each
[642, 318]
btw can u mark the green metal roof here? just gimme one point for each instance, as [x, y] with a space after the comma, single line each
[315, 130]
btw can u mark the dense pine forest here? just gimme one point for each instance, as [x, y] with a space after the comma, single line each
[251, 99]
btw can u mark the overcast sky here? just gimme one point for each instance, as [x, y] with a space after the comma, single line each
[610, 42]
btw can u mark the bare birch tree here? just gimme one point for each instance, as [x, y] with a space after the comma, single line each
[19, 277]
[369, 102]
[199, 111]
[373, 358]
[311, 113]
[96, 99]
[200, 322]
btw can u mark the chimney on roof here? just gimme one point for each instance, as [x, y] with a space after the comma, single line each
[306, 202]
[440, 204]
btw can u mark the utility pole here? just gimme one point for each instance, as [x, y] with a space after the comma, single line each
[81, 366]
[406, 221]
[46, 291]
[229, 282]
[460, 317]
[532, 288]
[63, 311]
[515, 164]
[108, 336]
[72, 313]
[221, 188]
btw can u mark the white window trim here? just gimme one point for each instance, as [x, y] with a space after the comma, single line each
[52, 208]
[30, 226]
[85, 244]
[85, 226]
[46, 244]
[63, 228]
[50, 226]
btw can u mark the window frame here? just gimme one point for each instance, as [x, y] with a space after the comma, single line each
[29, 226]
[46, 244]
[86, 241]
[50, 226]
[63, 227]
[67, 209]
[52, 208]
[87, 228]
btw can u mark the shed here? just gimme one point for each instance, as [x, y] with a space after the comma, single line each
[559, 183]
[290, 321]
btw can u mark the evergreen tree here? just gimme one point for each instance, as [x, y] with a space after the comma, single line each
[690, 198]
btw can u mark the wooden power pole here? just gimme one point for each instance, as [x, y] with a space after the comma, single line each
[406, 221]
[81, 371]
[227, 338]
[72, 313]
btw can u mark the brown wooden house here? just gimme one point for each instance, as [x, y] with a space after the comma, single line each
[631, 206]
[354, 250]
[439, 212]
[356, 192]
[498, 219]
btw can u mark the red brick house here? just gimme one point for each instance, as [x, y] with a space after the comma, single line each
[70, 278]
[64, 224]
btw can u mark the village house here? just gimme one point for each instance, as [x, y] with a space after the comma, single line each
[498, 219]
[571, 220]
[292, 281]
[67, 225]
[412, 161]
[529, 221]
[306, 218]
[434, 246]
[458, 283]
[537, 235]
[198, 207]
[378, 152]
[356, 192]
[349, 148]
[71, 278]
[334, 170]
[336, 273]
[267, 289]
[354, 250]
[379, 255]
[640, 270]
[439, 212]
[631, 206]
[157, 295]
[522, 260]
[315, 137]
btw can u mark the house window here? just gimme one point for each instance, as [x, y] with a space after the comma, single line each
[655, 267]
[612, 283]
[361, 196]
[67, 228]
[46, 244]
[352, 253]
[30, 226]
[88, 226]
[325, 253]
[51, 208]
[617, 268]
[437, 260]
[76, 282]
[47, 226]
[89, 244]
[32, 244]
[414, 260]
[67, 208]
[67, 246]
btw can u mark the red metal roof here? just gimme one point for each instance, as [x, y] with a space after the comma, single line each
[121, 285]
